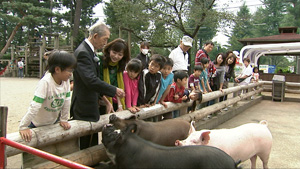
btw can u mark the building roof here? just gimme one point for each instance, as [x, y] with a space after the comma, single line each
[254, 52]
[287, 35]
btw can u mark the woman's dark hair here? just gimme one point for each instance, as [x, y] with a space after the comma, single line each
[134, 65]
[117, 45]
[223, 57]
[160, 60]
[61, 59]
[229, 55]
[180, 75]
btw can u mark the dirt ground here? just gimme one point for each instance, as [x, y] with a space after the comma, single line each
[16, 94]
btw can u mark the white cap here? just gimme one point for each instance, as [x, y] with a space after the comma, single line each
[236, 53]
[187, 41]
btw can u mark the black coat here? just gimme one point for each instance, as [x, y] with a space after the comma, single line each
[144, 59]
[87, 86]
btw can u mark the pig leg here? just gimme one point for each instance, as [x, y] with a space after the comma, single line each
[265, 161]
[253, 162]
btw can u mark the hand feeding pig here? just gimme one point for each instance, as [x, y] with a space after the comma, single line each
[164, 132]
[131, 151]
[242, 143]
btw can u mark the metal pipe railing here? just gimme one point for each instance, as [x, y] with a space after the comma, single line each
[37, 152]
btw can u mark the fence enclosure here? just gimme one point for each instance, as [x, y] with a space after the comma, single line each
[52, 138]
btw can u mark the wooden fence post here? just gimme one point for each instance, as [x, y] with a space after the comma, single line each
[3, 121]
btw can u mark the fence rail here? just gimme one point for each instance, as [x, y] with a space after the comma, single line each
[53, 134]
[290, 87]
[47, 135]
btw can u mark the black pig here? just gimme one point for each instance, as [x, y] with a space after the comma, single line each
[131, 151]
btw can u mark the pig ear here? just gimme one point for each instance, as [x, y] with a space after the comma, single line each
[204, 138]
[112, 118]
[192, 128]
[131, 128]
[133, 117]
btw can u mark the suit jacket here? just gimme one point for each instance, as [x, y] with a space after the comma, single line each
[87, 86]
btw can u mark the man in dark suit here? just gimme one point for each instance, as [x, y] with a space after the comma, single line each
[87, 84]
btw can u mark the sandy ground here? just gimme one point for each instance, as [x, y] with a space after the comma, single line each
[16, 94]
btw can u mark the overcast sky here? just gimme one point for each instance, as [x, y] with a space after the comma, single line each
[233, 6]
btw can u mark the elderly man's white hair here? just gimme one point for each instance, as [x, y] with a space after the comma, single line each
[100, 28]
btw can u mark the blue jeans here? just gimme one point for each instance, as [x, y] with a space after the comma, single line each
[20, 72]
[176, 113]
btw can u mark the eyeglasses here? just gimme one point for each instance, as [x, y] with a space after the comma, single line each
[70, 70]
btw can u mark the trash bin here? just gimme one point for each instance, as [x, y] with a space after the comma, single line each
[278, 88]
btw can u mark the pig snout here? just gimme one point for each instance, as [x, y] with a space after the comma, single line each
[112, 118]
[178, 143]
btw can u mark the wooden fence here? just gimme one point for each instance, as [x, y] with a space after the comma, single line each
[54, 134]
[290, 87]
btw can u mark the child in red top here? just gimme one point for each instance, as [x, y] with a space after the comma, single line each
[176, 94]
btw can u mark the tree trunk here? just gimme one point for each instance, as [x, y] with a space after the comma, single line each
[77, 18]
[12, 35]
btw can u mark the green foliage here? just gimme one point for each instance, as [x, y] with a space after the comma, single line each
[281, 62]
[163, 23]
[217, 50]
[293, 6]
[265, 22]
[288, 20]
[6, 56]
[46, 16]
[242, 29]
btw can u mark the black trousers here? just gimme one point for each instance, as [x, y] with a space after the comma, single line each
[92, 139]
[88, 141]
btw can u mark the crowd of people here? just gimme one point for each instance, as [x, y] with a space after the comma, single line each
[113, 82]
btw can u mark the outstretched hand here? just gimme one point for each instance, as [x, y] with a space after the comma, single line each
[26, 134]
[120, 93]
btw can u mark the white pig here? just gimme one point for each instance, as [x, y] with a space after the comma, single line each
[242, 143]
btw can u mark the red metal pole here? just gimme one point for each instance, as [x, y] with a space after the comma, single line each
[42, 154]
[3, 125]
[2, 155]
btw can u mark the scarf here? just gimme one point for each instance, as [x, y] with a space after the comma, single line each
[106, 78]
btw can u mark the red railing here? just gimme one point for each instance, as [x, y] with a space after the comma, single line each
[4, 141]
[2, 71]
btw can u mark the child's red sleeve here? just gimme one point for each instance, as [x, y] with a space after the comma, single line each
[171, 96]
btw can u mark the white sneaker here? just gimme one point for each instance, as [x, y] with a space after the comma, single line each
[225, 109]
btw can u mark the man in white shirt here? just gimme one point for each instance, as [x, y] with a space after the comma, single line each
[245, 77]
[180, 56]
[20, 68]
